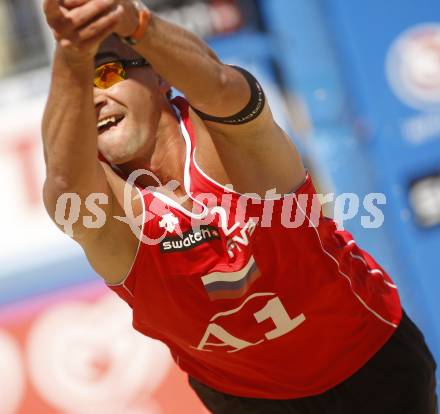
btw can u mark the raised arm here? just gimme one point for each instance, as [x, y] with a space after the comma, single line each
[70, 147]
[219, 91]
[211, 87]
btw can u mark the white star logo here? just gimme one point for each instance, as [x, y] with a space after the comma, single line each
[169, 222]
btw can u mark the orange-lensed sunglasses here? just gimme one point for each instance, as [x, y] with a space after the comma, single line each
[107, 74]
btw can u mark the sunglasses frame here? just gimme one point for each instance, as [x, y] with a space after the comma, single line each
[126, 64]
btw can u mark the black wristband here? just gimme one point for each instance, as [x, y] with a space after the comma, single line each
[252, 109]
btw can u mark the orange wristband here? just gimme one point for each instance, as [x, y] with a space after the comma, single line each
[144, 21]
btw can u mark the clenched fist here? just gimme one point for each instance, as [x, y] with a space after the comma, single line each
[79, 26]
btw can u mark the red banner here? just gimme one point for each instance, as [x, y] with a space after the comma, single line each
[76, 352]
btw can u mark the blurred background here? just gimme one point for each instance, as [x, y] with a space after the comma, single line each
[357, 85]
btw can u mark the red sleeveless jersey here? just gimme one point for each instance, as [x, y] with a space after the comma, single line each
[256, 298]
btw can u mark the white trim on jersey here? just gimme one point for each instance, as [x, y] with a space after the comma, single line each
[247, 195]
[371, 271]
[344, 274]
[187, 185]
[186, 178]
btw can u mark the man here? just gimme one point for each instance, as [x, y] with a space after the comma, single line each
[264, 316]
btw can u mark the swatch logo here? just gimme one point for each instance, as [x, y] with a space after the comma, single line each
[189, 240]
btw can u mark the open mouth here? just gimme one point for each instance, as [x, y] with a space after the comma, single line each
[107, 123]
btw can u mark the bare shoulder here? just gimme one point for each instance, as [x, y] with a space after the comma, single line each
[254, 157]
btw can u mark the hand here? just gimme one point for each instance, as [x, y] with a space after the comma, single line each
[79, 26]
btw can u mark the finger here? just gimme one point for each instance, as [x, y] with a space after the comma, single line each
[95, 40]
[56, 19]
[100, 25]
[103, 29]
[70, 4]
[86, 13]
[65, 28]
[88, 44]
[52, 11]
[50, 7]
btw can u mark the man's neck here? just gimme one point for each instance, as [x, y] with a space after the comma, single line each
[167, 157]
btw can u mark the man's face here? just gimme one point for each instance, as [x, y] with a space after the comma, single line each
[128, 112]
